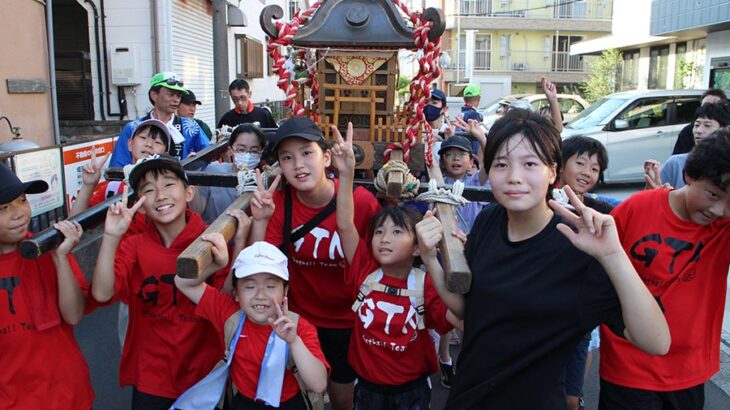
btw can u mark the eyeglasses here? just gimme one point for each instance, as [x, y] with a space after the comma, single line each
[455, 154]
[254, 151]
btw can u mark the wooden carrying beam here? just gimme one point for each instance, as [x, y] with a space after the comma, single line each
[458, 274]
[196, 257]
[395, 178]
[49, 238]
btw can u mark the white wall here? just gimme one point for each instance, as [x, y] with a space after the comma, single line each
[718, 45]
[128, 24]
[263, 88]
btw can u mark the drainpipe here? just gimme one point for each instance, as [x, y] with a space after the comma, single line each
[221, 77]
[122, 112]
[52, 72]
[98, 58]
[155, 37]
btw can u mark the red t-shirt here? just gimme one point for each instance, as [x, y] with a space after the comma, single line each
[686, 265]
[386, 347]
[40, 369]
[168, 347]
[317, 289]
[108, 189]
[217, 307]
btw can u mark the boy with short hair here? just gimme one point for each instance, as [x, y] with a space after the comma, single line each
[260, 280]
[708, 118]
[42, 365]
[677, 240]
[167, 348]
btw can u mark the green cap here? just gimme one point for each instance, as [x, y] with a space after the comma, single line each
[472, 90]
[168, 80]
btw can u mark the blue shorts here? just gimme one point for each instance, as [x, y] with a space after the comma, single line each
[575, 369]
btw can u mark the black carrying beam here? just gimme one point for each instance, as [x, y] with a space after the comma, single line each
[231, 181]
[50, 238]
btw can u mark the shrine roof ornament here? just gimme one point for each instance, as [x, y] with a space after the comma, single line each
[373, 24]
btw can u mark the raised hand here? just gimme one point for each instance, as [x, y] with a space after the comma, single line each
[597, 234]
[450, 129]
[71, 231]
[429, 233]
[91, 173]
[473, 128]
[343, 157]
[219, 248]
[262, 203]
[119, 217]
[652, 176]
[551, 91]
[283, 326]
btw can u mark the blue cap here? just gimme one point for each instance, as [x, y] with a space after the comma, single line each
[438, 95]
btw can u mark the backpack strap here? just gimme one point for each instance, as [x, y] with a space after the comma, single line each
[415, 292]
[232, 330]
[290, 236]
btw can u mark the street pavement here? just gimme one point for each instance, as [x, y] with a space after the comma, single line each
[97, 336]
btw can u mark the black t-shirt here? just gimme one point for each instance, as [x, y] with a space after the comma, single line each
[597, 204]
[258, 114]
[530, 303]
[685, 140]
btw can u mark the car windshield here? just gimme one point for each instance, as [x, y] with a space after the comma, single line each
[491, 108]
[596, 113]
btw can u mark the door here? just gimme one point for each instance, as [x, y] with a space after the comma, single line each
[642, 131]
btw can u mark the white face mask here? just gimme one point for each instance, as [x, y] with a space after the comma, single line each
[247, 159]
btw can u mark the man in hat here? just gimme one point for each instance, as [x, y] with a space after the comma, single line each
[188, 105]
[166, 90]
[244, 111]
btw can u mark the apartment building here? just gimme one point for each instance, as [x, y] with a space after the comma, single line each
[507, 45]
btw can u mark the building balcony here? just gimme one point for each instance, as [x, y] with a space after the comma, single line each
[523, 66]
[586, 15]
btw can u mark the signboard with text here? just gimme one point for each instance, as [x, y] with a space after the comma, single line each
[46, 165]
[75, 157]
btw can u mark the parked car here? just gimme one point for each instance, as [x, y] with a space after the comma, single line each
[570, 105]
[455, 104]
[635, 126]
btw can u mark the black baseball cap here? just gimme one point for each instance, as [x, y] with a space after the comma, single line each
[456, 141]
[162, 161]
[11, 187]
[190, 98]
[296, 127]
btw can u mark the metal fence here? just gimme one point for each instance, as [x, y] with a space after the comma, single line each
[518, 60]
[540, 9]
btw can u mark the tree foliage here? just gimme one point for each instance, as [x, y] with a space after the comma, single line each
[604, 75]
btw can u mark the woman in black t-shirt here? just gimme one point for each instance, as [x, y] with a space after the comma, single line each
[537, 285]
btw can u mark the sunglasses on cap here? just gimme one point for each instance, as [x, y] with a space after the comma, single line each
[171, 81]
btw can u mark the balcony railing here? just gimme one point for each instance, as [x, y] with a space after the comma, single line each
[533, 9]
[518, 60]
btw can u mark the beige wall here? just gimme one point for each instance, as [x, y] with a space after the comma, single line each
[24, 52]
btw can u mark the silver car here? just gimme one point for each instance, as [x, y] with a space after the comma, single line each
[570, 105]
[635, 126]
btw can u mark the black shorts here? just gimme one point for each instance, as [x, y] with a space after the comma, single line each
[335, 343]
[617, 397]
[241, 402]
[145, 401]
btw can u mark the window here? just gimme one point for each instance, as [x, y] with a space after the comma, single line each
[293, 7]
[685, 108]
[630, 70]
[649, 112]
[658, 62]
[562, 60]
[482, 50]
[249, 57]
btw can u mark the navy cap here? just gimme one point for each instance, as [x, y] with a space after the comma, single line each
[11, 187]
[456, 141]
[438, 95]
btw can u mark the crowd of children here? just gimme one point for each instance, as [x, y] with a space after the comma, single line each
[323, 289]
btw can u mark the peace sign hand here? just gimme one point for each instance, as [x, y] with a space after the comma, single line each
[283, 326]
[597, 234]
[262, 203]
[119, 217]
[91, 173]
[343, 156]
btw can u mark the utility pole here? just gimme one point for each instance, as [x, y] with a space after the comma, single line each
[220, 57]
